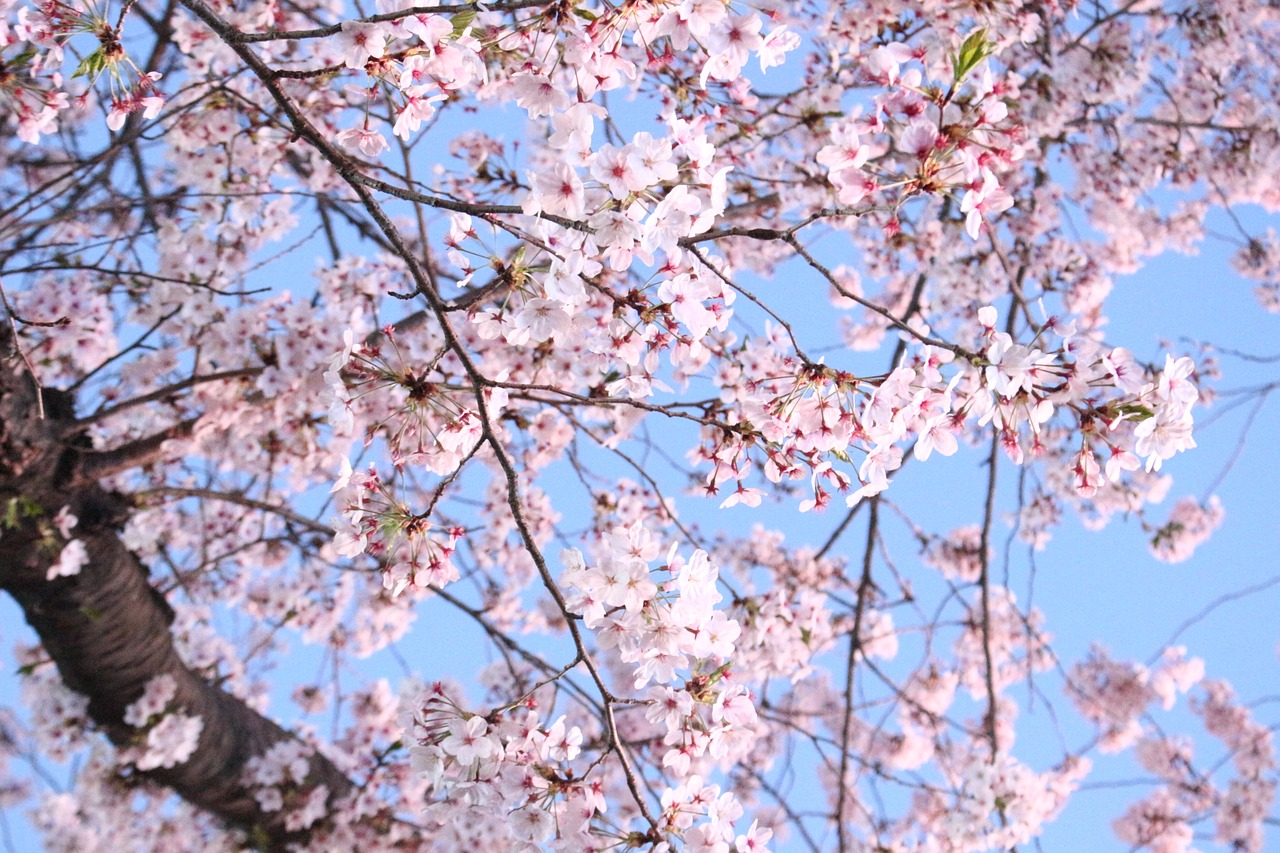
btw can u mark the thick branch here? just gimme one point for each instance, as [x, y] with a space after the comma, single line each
[107, 628]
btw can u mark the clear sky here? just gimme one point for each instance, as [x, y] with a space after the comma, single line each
[1094, 587]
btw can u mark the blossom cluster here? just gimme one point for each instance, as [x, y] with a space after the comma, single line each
[818, 416]
[1189, 525]
[945, 143]
[39, 95]
[1001, 804]
[74, 555]
[499, 322]
[661, 624]
[1164, 820]
[1115, 695]
[276, 778]
[171, 736]
[415, 552]
[508, 778]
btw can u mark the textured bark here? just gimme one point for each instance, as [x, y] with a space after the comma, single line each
[107, 628]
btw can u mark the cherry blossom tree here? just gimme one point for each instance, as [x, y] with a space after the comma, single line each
[328, 328]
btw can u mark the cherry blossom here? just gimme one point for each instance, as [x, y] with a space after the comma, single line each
[616, 360]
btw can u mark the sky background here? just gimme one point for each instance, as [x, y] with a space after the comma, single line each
[1095, 587]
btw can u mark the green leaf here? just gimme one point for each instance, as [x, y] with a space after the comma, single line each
[18, 509]
[22, 59]
[975, 49]
[1137, 412]
[91, 66]
[461, 21]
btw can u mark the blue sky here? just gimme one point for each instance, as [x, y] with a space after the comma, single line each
[1094, 587]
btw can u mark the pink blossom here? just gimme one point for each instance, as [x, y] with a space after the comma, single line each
[468, 741]
[170, 742]
[986, 199]
[558, 191]
[538, 95]
[777, 43]
[359, 42]
[1162, 435]
[368, 142]
[73, 557]
[543, 319]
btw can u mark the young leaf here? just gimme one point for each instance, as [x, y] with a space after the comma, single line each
[461, 21]
[975, 49]
[91, 66]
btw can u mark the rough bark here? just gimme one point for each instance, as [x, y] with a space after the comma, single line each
[107, 628]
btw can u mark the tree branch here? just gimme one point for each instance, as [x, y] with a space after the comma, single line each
[107, 629]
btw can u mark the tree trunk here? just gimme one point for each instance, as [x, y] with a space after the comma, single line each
[107, 628]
